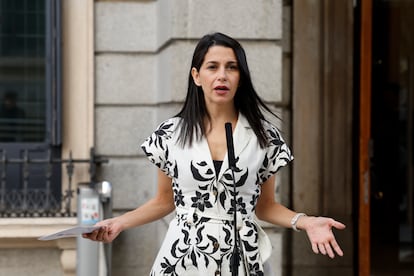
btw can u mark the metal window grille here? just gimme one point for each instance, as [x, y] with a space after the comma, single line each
[31, 201]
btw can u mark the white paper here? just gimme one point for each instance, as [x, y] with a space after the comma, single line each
[71, 232]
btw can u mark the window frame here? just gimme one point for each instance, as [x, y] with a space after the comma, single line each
[51, 147]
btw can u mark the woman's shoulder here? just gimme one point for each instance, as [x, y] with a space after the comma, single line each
[170, 123]
[267, 125]
[272, 132]
[168, 127]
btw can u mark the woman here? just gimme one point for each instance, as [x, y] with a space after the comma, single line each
[195, 180]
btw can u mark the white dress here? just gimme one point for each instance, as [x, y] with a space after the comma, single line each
[200, 238]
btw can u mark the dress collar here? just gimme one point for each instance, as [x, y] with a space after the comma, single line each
[242, 135]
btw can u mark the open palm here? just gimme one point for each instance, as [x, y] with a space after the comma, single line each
[321, 237]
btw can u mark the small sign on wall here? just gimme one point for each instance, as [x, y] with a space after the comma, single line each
[89, 211]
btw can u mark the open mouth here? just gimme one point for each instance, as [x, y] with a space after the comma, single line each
[221, 89]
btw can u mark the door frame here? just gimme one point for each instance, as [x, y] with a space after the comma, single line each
[365, 151]
[322, 124]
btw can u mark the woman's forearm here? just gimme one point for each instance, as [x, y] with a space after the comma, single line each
[152, 210]
[277, 214]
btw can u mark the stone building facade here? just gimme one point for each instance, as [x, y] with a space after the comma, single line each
[125, 68]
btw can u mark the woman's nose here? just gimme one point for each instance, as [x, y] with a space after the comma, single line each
[222, 75]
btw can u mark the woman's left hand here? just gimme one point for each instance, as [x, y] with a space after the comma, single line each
[320, 234]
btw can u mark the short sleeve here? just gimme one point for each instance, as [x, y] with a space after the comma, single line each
[157, 148]
[277, 154]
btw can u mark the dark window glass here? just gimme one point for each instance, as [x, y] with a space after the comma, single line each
[22, 71]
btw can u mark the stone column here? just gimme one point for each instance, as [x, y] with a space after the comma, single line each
[68, 256]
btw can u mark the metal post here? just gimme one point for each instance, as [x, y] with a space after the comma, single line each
[88, 214]
[94, 204]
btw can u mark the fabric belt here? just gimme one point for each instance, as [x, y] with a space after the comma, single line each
[191, 213]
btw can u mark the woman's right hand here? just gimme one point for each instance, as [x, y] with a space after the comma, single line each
[110, 229]
[159, 206]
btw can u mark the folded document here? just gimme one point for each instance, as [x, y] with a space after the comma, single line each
[71, 232]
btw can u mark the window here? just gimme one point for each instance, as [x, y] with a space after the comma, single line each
[30, 93]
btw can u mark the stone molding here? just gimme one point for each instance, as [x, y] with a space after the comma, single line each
[24, 233]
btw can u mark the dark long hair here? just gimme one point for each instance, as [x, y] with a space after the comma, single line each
[246, 100]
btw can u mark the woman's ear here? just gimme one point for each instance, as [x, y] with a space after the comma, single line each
[196, 76]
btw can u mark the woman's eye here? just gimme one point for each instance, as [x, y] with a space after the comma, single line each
[232, 67]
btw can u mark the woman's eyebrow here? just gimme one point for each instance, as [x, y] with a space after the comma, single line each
[228, 62]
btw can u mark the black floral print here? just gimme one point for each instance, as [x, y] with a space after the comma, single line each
[200, 239]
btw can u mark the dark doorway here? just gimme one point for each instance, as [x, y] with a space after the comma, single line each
[392, 166]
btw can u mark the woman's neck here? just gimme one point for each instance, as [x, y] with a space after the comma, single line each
[222, 112]
[219, 117]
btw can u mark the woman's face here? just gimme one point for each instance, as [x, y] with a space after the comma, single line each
[218, 76]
